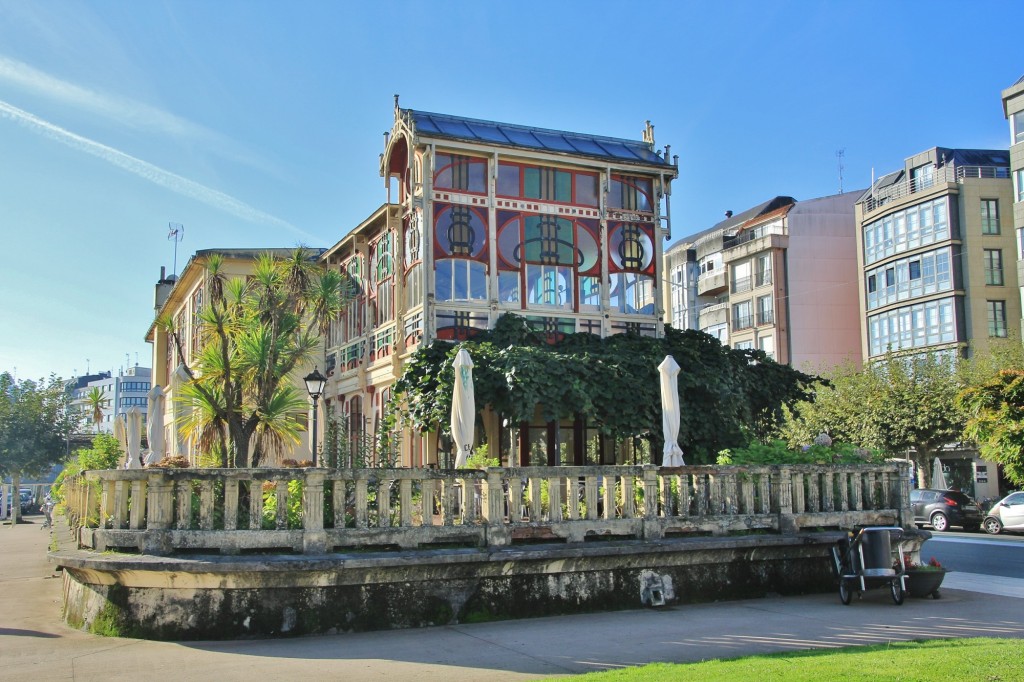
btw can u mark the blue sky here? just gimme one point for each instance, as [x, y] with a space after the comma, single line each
[259, 124]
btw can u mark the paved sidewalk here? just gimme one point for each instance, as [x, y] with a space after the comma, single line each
[35, 644]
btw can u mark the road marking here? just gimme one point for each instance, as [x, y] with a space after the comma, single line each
[974, 541]
[986, 584]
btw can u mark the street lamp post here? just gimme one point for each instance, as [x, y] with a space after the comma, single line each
[315, 382]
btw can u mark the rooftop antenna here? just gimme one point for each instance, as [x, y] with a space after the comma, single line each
[175, 233]
[839, 155]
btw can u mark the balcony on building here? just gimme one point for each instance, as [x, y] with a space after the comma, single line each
[751, 242]
[713, 315]
[898, 186]
[712, 282]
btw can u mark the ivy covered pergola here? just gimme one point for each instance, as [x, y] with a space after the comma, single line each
[522, 377]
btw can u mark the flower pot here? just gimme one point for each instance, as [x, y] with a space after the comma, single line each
[922, 583]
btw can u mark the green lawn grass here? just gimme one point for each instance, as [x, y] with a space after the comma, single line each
[947, 660]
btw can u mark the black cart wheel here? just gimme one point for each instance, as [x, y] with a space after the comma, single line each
[845, 593]
[898, 595]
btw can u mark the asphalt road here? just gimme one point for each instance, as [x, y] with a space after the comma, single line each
[999, 555]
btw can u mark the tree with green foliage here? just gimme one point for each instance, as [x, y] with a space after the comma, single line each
[727, 396]
[995, 421]
[95, 401]
[257, 333]
[899, 405]
[35, 424]
[105, 453]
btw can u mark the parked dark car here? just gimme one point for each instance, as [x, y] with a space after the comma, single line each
[942, 509]
[1006, 514]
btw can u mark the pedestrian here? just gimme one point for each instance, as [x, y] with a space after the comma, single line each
[48, 511]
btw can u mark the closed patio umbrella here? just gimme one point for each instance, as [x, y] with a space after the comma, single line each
[155, 424]
[133, 420]
[121, 434]
[463, 407]
[669, 370]
[938, 477]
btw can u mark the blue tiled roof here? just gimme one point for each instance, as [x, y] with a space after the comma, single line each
[507, 134]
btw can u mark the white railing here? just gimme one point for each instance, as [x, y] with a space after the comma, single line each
[946, 174]
[316, 511]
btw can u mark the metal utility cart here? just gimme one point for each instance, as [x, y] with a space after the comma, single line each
[864, 560]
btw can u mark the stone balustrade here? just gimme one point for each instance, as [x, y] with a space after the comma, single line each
[317, 511]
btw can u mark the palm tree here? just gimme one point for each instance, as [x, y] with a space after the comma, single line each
[95, 402]
[256, 334]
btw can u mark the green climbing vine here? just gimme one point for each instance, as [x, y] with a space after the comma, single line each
[728, 397]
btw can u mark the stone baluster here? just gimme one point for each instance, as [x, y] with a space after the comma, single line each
[590, 494]
[206, 505]
[338, 495]
[827, 493]
[362, 513]
[281, 495]
[255, 504]
[714, 495]
[797, 487]
[314, 539]
[903, 500]
[628, 498]
[405, 502]
[161, 501]
[856, 491]
[448, 501]
[700, 492]
[536, 508]
[747, 499]
[231, 504]
[515, 499]
[684, 480]
[427, 488]
[813, 481]
[785, 489]
[650, 474]
[572, 490]
[554, 499]
[609, 498]
[384, 503]
[137, 518]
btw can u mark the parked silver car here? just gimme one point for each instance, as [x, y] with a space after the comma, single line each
[1006, 514]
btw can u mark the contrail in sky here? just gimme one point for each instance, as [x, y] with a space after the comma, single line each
[148, 171]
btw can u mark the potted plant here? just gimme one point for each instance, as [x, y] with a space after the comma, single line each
[924, 579]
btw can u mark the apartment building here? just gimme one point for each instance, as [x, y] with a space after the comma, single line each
[1013, 108]
[780, 277]
[181, 299]
[483, 219]
[934, 239]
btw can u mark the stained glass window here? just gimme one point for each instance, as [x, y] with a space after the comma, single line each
[632, 294]
[547, 184]
[630, 193]
[631, 247]
[413, 239]
[457, 325]
[461, 173]
[459, 231]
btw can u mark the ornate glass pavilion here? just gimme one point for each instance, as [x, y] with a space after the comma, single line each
[482, 219]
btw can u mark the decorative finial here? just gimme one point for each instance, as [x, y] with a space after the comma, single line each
[396, 104]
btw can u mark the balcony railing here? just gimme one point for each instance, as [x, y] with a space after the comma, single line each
[763, 278]
[766, 317]
[314, 511]
[742, 284]
[742, 322]
[945, 174]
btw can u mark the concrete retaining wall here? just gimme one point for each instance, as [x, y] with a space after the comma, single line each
[223, 597]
